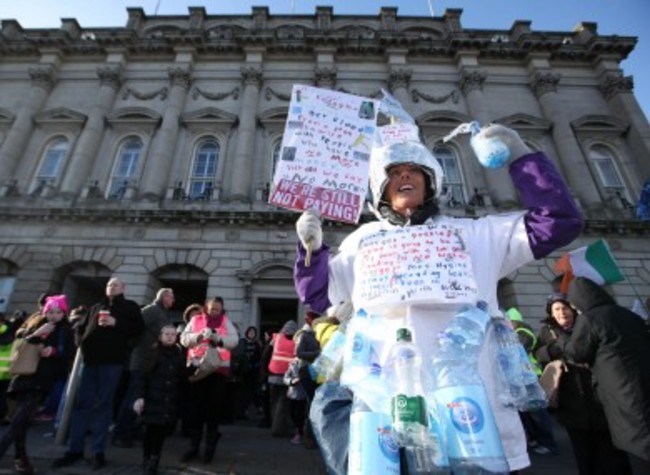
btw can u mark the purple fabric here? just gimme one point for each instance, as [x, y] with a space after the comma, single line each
[553, 220]
[311, 282]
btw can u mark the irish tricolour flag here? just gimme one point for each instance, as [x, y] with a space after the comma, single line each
[594, 262]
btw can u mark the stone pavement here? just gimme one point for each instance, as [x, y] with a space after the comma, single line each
[244, 449]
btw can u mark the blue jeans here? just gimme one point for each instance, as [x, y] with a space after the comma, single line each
[94, 402]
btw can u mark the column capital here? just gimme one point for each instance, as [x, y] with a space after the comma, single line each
[471, 80]
[110, 76]
[543, 82]
[399, 77]
[325, 76]
[252, 75]
[613, 84]
[43, 77]
[180, 77]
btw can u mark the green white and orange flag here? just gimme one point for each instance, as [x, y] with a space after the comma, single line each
[594, 262]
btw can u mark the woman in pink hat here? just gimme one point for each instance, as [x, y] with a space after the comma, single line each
[52, 332]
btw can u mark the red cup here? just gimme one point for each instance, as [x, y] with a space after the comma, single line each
[103, 317]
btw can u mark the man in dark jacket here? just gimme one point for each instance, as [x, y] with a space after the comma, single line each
[156, 315]
[613, 341]
[105, 336]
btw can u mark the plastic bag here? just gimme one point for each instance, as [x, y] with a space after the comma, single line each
[330, 419]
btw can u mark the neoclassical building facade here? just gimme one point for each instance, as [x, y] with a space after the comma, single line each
[147, 151]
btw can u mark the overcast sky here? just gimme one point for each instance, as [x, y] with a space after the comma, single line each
[620, 17]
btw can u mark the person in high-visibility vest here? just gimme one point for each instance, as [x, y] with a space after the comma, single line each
[537, 424]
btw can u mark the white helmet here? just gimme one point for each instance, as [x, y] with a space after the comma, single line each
[383, 158]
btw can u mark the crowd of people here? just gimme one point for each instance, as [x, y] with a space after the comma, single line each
[602, 400]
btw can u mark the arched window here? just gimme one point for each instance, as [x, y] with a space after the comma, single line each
[52, 161]
[453, 186]
[204, 169]
[126, 167]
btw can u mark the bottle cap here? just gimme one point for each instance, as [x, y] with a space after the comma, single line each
[403, 334]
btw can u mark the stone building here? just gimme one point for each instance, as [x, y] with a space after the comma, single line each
[147, 150]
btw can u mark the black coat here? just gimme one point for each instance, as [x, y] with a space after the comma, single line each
[614, 342]
[160, 385]
[578, 406]
[53, 367]
[110, 345]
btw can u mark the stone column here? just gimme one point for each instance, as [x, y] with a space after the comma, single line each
[155, 174]
[498, 182]
[85, 151]
[617, 89]
[13, 147]
[243, 162]
[574, 164]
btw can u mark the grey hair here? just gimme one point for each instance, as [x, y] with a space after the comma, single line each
[160, 294]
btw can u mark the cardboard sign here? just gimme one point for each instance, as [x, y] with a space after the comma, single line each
[414, 264]
[325, 151]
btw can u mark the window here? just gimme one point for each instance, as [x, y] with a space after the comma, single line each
[7, 283]
[126, 167]
[275, 156]
[452, 183]
[54, 156]
[204, 170]
[606, 167]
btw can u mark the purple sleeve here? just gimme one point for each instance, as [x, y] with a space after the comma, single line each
[311, 282]
[553, 219]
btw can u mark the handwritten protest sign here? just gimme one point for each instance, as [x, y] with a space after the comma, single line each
[325, 151]
[434, 266]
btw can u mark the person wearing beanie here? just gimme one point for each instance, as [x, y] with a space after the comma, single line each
[579, 411]
[53, 334]
[282, 351]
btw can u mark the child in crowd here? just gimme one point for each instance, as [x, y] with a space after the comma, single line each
[158, 395]
[51, 330]
[297, 399]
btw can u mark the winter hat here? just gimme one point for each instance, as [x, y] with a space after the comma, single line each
[56, 302]
[556, 298]
[514, 315]
[289, 328]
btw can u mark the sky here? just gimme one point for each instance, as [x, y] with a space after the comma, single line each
[614, 17]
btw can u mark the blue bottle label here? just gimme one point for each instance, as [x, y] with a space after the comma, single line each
[373, 449]
[468, 422]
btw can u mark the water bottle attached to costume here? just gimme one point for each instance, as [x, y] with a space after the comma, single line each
[372, 448]
[472, 438]
[522, 389]
[409, 411]
[491, 152]
[357, 350]
[327, 365]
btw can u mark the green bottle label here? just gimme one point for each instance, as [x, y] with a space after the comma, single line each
[409, 409]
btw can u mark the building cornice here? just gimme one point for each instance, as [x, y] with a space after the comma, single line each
[303, 34]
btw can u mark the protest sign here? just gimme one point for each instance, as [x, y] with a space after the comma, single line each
[326, 146]
[432, 267]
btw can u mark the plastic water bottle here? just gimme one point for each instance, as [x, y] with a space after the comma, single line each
[357, 350]
[491, 152]
[409, 408]
[473, 442]
[372, 448]
[523, 389]
[328, 363]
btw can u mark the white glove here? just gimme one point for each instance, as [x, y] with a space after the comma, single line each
[138, 406]
[511, 138]
[309, 229]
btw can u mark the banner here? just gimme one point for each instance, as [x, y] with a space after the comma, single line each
[326, 146]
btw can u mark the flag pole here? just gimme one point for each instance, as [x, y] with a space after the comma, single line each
[430, 8]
